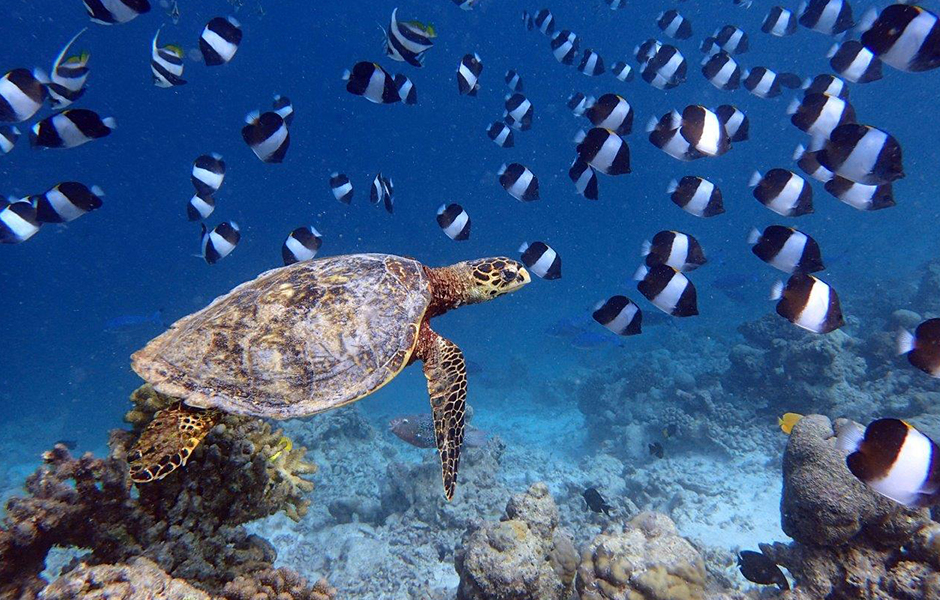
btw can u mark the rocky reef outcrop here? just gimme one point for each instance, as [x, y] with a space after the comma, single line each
[190, 524]
[849, 542]
[524, 556]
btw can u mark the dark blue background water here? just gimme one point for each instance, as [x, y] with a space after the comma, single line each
[135, 255]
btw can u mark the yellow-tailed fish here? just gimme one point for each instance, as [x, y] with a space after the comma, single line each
[787, 421]
[284, 444]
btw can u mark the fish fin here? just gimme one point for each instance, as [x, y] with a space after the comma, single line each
[776, 292]
[672, 187]
[651, 124]
[523, 247]
[905, 341]
[646, 248]
[849, 437]
[109, 122]
[817, 143]
[833, 50]
[798, 152]
[640, 273]
[579, 137]
[755, 179]
[41, 76]
[793, 106]
[502, 169]
[867, 20]
[806, 83]
[252, 117]
[754, 236]
[97, 191]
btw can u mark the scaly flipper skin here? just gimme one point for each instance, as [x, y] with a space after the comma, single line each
[446, 372]
[168, 441]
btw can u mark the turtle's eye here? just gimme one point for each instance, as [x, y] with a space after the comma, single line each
[508, 274]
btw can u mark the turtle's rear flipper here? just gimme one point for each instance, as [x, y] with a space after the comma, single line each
[446, 372]
[168, 441]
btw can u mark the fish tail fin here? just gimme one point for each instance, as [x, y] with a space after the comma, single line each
[755, 179]
[109, 122]
[798, 152]
[97, 191]
[793, 106]
[905, 341]
[753, 236]
[346, 74]
[672, 187]
[849, 437]
[646, 248]
[776, 292]
[579, 137]
[640, 273]
[523, 247]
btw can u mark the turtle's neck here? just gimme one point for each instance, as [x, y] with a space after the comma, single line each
[449, 289]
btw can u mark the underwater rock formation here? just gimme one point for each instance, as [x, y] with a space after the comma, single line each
[849, 542]
[644, 559]
[524, 556]
[190, 524]
[140, 578]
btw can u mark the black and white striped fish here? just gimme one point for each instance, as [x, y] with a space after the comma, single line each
[826, 84]
[592, 64]
[666, 69]
[584, 179]
[541, 259]
[579, 103]
[527, 21]
[372, 82]
[819, 114]
[200, 207]
[613, 112]
[696, 196]
[519, 181]
[218, 242]
[406, 89]
[674, 25]
[519, 112]
[622, 71]
[620, 315]
[166, 64]
[604, 150]
[301, 244]
[722, 71]
[407, 42]
[668, 290]
[284, 107]
[18, 221]
[703, 129]
[112, 12]
[616, 4]
[905, 37]
[892, 457]
[468, 74]
[646, 50]
[8, 138]
[22, 94]
[267, 136]
[863, 154]
[808, 303]
[729, 38]
[808, 162]
[454, 222]
[565, 46]
[208, 173]
[779, 22]
[675, 249]
[383, 192]
[664, 133]
[545, 21]
[922, 347]
[830, 17]
[735, 121]
[67, 79]
[782, 191]
[220, 40]
[787, 249]
[66, 202]
[70, 128]
[764, 83]
[513, 80]
[341, 187]
[854, 62]
[501, 134]
[860, 196]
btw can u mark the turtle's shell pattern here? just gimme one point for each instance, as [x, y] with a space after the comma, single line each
[295, 341]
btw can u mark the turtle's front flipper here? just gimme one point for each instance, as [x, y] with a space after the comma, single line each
[446, 372]
[168, 441]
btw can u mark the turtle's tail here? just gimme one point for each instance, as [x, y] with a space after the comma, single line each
[168, 441]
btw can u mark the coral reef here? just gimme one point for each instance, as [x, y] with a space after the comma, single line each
[190, 524]
[523, 556]
[139, 578]
[849, 542]
[645, 559]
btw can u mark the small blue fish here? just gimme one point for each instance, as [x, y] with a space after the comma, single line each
[132, 321]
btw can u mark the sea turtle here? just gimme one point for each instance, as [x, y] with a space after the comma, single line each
[310, 337]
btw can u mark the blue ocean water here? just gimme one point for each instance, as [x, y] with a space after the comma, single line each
[66, 371]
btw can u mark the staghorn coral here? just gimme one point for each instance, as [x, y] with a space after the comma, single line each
[140, 578]
[190, 523]
[524, 556]
[645, 559]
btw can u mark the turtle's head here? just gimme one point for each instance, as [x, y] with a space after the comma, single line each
[475, 281]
